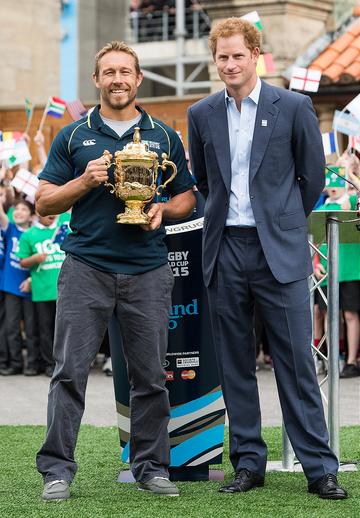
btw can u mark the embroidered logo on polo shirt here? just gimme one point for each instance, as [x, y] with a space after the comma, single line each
[90, 142]
[150, 143]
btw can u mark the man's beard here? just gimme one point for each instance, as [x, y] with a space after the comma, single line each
[120, 104]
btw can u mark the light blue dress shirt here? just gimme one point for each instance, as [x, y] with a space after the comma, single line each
[241, 130]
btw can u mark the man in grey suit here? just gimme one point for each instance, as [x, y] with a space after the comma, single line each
[257, 155]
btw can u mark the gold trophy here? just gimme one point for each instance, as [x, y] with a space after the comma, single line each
[136, 172]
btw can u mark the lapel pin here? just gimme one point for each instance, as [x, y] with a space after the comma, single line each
[264, 122]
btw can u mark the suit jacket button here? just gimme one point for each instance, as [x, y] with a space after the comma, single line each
[252, 197]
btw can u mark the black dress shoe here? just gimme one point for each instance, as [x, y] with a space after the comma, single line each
[328, 487]
[244, 480]
[11, 371]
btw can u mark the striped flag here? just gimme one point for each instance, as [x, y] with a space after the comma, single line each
[29, 108]
[11, 135]
[253, 18]
[306, 79]
[29, 111]
[55, 107]
[76, 110]
[329, 143]
[346, 123]
[265, 64]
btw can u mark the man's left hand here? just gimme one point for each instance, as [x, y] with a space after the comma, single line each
[155, 214]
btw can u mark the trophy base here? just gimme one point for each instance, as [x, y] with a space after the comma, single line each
[133, 214]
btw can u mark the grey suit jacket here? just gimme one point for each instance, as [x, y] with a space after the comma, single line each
[286, 176]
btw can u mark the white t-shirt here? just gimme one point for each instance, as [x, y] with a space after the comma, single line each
[120, 127]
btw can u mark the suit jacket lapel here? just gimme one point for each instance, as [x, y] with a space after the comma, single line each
[218, 123]
[266, 116]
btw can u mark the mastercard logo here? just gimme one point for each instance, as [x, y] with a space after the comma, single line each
[188, 375]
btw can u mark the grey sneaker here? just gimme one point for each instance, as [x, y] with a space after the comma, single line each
[159, 486]
[56, 490]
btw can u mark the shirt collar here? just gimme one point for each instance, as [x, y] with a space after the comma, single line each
[253, 95]
[51, 227]
[95, 121]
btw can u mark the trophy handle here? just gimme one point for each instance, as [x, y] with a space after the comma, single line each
[163, 166]
[109, 162]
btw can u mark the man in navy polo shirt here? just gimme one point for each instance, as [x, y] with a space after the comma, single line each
[110, 268]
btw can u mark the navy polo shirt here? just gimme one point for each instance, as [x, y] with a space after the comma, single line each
[96, 239]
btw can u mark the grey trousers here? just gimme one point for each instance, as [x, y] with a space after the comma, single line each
[87, 298]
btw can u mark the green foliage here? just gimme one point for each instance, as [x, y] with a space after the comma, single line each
[96, 494]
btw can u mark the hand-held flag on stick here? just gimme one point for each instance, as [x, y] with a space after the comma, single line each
[29, 110]
[329, 143]
[253, 18]
[55, 107]
[265, 64]
[346, 123]
[26, 182]
[60, 234]
[306, 79]
[354, 107]
[76, 110]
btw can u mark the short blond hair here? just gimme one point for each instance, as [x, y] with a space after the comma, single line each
[232, 27]
[117, 46]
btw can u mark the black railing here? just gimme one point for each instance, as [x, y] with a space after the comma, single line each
[160, 25]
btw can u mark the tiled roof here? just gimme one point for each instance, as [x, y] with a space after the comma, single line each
[340, 61]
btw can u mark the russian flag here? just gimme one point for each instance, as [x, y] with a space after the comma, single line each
[56, 107]
[329, 143]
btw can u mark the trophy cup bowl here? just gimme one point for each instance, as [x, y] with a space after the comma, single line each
[135, 178]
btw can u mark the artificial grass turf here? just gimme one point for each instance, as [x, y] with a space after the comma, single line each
[95, 492]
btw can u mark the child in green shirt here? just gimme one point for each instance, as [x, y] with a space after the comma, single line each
[43, 256]
[349, 271]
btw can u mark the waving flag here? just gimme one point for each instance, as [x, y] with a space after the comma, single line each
[354, 107]
[265, 64]
[60, 234]
[29, 110]
[76, 110]
[346, 123]
[26, 182]
[329, 143]
[253, 18]
[306, 79]
[55, 107]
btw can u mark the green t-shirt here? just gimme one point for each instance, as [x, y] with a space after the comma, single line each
[44, 276]
[10, 214]
[349, 253]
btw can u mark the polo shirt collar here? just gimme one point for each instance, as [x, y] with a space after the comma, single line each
[95, 121]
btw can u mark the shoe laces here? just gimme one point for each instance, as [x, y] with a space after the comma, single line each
[242, 474]
[53, 482]
[330, 479]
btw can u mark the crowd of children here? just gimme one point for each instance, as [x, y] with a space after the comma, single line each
[30, 262]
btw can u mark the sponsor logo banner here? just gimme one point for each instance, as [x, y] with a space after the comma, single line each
[187, 362]
[188, 375]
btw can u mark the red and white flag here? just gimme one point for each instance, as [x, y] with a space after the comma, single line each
[306, 79]
[76, 110]
[26, 182]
